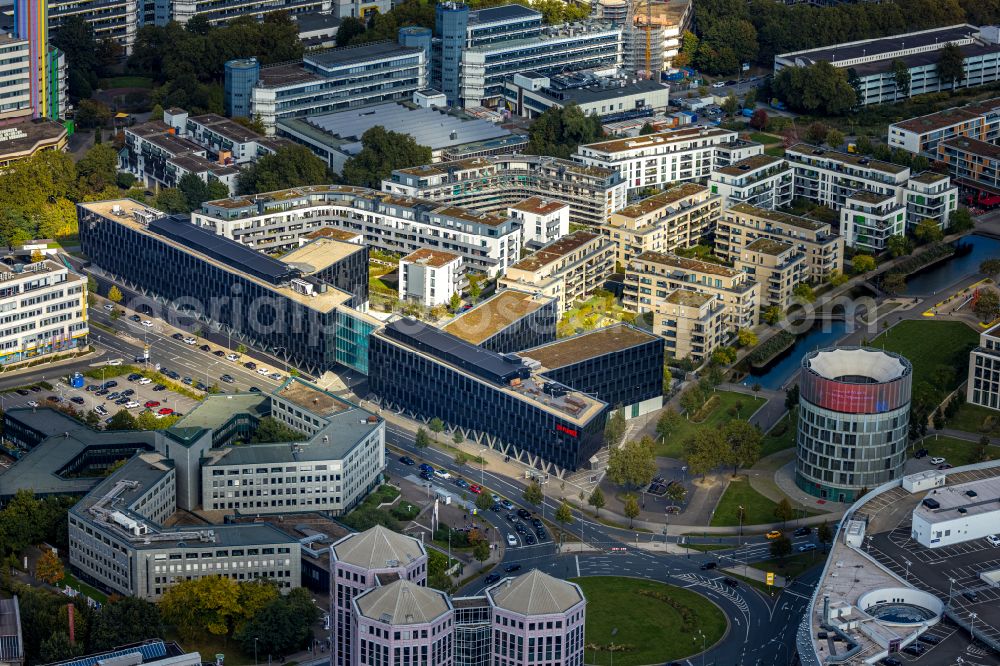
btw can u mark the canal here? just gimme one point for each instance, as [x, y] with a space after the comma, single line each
[970, 252]
[786, 364]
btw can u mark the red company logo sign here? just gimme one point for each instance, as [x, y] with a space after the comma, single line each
[569, 431]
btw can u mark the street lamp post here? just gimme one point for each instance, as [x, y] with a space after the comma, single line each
[951, 583]
[908, 563]
[482, 467]
[254, 651]
[741, 509]
[972, 627]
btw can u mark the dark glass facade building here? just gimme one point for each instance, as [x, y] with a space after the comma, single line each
[265, 303]
[431, 373]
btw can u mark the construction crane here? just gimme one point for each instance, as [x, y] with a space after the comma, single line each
[649, 38]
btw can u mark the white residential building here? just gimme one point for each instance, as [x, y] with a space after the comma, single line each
[43, 310]
[762, 181]
[921, 135]
[867, 220]
[429, 277]
[487, 242]
[983, 388]
[542, 220]
[654, 160]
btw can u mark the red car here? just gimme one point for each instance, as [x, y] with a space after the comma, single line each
[475, 488]
[166, 411]
[152, 403]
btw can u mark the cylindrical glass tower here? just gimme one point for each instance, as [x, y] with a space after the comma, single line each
[854, 417]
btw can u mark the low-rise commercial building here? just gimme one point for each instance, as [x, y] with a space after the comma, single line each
[332, 80]
[742, 224]
[652, 276]
[43, 310]
[956, 514]
[921, 135]
[315, 326]
[530, 94]
[430, 277]
[22, 140]
[692, 324]
[868, 220]
[542, 220]
[566, 269]
[654, 160]
[830, 177]
[508, 321]
[336, 137]
[872, 61]
[495, 183]
[763, 181]
[678, 218]
[217, 13]
[983, 388]
[776, 266]
[277, 221]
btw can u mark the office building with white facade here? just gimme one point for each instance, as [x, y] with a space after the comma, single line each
[612, 98]
[872, 61]
[487, 242]
[43, 310]
[498, 182]
[654, 160]
[983, 387]
[956, 514]
[762, 181]
[430, 277]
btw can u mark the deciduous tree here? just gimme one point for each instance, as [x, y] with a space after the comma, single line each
[862, 263]
[783, 511]
[422, 439]
[928, 231]
[746, 337]
[901, 78]
[634, 464]
[383, 151]
[289, 166]
[436, 426]
[615, 428]
[533, 493]
[668, 423]
[631, 509]
[744, 440]
[951, 65]
[596, 500]
[49, 568]
[987, 306]
[208, 604]
[781, 547]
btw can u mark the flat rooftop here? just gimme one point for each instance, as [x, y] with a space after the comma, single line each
[687, 264]
[610, 91]
[973, 146]
[814, 152]
[320, 253]
[225, 127]
[26, 137]
[658, 201]
[869, 197]
[215, 410]
[956, 503]
[935, 121]
[587, 345]
[311, 398]
[768, 246]
[688, 298]
[502, 13]
[429, 257]
[539, 205]
[870, 48]
[493, 315]
[752, 163]
[336, 234]
[658, 139]
[779, 217]
[278, 76]
[556, 250]
[349, 55]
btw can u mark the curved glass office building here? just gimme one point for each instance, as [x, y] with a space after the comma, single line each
[854, 417]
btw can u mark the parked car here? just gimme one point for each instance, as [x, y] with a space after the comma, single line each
[937, 460]
[228, 379]
[144, 380]
[77, 399]
[205, 348]
[135, 376]
[128, 392]
[475, 488]
[32, 403]
[521, 513]
[442, 474]
[930, 639]
[166, 411]
[424, 467]
[136, 318]
[511, 540]
[994, 540]
[921, 453]
[916, 649]
[276, 376]
[92, 387]
[190, 341]
[507, 504]
[131, 404]
[152, 403]
[101, 410]
[147, 323]
[159, 387]
[971, 595]
[541, 534]
[529, 539]
[263, 371]
[889, 661]
[219, 353]
[177, 336]
[250, 365]
[719, 84]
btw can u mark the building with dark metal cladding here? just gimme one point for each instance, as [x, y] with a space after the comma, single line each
[854, 420]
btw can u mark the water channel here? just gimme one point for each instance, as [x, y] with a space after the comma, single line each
[971, 251]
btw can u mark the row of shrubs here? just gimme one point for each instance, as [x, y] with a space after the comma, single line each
[773, 346]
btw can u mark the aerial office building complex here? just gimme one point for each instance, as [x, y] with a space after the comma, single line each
[487, 242]
[316, 325]
[383, 613]
[983, 388]
[872, 61]
[530, 94]
[498, 182]
[479, 49]
[854, 416]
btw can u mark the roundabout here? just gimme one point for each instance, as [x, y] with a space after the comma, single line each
[634, 621]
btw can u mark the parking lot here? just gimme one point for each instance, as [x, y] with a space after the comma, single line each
[127, 394]
[949, 571]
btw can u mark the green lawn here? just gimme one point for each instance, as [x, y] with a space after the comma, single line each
[971, 418]
[649, 629]
[793, 565]
[89, 590]
[127, 82]
[742, 406]
[764, 137]
[758, 509]
[775, 150]
[956, 451]
[929, 345]
[707, 547]
[782, 435]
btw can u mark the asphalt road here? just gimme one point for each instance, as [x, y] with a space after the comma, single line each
[761, 628]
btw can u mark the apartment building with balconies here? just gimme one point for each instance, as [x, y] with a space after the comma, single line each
[494, 183]
[742, 224]
[673, 156]
[692, 324]
[921, 135]
[566, 269]
[652, 276]
[776, 266]
[678, 218]
[763, 181]
[867, 220]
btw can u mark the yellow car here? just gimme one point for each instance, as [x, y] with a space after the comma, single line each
[773, 534]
